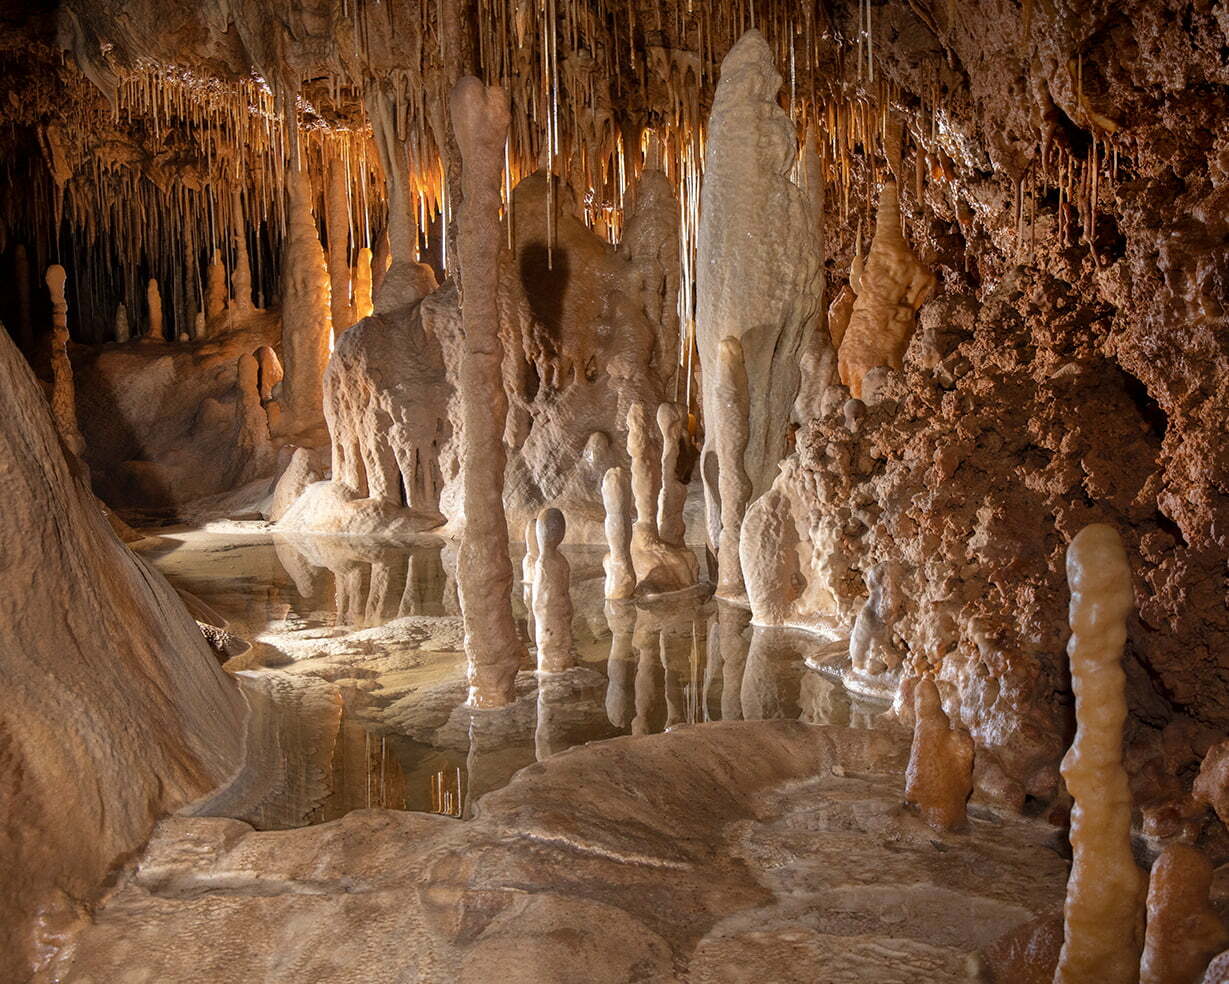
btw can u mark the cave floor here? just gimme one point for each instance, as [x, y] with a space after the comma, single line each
[745, 823]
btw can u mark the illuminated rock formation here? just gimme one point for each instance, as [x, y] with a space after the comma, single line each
[298, 475]
[758, 277]
[890, 289]
[670, 499]
[617, 564]
[1184, 931]
[768, 548]
[155, 329]
[528, 563]
[730, 411]
[494, 652]
[939, 777]
[660, 567]
[63, 392]
[1104, 911]
[305, 310]
[95, 637]
[552, 599]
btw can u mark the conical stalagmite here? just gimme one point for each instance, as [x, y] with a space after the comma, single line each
[484, 569]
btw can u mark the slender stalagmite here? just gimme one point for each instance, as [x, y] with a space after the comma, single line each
[484, 569]
[1103, 915]
[63, 395]
[552, 599]
[306, 322]
[616, 497]
[671, 498]
[362, 284]
[121, 324]
[528, 562]
[241, 276]
[1184, 931]
[337, 222]
[731, 401]
[939, 778]
[215, 287]
[153, 301]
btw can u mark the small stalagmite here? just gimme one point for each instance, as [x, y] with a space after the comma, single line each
[306, 323]
[1104, 911]
[552, 599]
[735, 487]
[215, 287]
[63, 392]
[616, 497]
[484, 569]
[673, 494]
[153, 302]
[659, 567]
[122, 331]
[939, 778]
[890, 289]
[1184, 931]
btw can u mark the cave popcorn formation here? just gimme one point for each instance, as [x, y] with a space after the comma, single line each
[822, 333]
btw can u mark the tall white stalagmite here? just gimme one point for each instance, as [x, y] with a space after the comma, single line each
[306, 322]
[758, 264]
[1104, 912]
[484, 569]
[730, 405]
[63, 393]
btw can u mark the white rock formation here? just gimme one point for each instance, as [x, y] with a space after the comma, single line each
[552, 598]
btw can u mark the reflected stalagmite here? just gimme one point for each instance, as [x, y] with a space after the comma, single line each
[1104, 912]
[616, 497]
[63, 392]
[939, 778]
[484, 570]
[1184, 931]
[552, 599]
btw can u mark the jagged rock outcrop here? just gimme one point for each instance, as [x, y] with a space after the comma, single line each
[114, 711]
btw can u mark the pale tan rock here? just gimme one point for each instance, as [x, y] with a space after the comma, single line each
[731, 406]
[153, 308]
[552, 599]
[306, 322]
[299, 474]
[660, 567]
[617, 564]
[63, 392]
[1104, 910]
[484, 569]
[939, 777]
[769, 559]
[673, 494]
[1184, 931]
[891, 288]
[759, 260]
[97, 643]
[215, 287]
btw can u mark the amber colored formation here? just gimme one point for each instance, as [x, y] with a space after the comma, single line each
[63, 393]
[890, 288]
[939, 778]
[480, 120]
[1104, 912]
[552, 600]
[1184, 931]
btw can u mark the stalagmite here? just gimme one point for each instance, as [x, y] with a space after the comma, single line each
[730, 405]
[362, 285]
[660, 567]
[552, 599]
[1103, 924]
[241, 276]
[121, 324]
[305, 309]
[768, 551]
[199, 326]
[153, 302]
[616, 497]
[758, 266]
[484, 570]
[891, 288]
[939, 777]
[63, 393]
[1184, 931]
[528, 562]
[215, 287]
[337, 224]
[671, 498]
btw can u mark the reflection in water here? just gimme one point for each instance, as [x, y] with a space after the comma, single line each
[406, 739]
